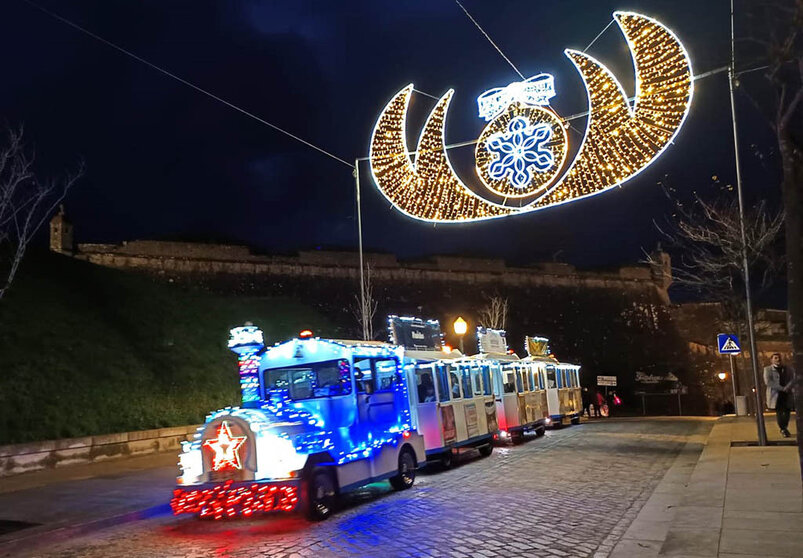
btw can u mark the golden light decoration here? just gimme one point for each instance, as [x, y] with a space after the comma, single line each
[620, 140]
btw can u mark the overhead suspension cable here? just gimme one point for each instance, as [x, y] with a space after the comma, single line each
[489, 39]
[185, 82]
[598, 36]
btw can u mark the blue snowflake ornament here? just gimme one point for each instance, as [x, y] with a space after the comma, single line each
[518, 150]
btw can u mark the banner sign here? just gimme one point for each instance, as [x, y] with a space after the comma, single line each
[492, 340]
[536, 346]
[415, 333]
[606, 381]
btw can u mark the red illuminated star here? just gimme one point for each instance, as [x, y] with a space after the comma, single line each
[226, 448]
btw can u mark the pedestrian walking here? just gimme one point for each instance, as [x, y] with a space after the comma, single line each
[586, 402]
[600, 403]
[780, 381]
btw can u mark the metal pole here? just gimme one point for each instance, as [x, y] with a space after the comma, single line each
[733, 383]
[359, 243]
[643, 404]
[680, 408]
[762, 432]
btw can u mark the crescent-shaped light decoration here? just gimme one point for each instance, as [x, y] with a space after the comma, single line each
[620, 140]
[429, 190]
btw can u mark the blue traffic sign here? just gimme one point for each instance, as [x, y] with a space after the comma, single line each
[728, 344]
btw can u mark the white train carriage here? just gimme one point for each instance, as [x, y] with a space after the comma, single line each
[453, 401]
[319, 417]
[521, 400]
[562, 389]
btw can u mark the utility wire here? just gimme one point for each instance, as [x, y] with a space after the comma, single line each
[489, 39]
[184, 81]
[598, 36]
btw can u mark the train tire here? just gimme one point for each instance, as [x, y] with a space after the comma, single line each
[320, 494]
[540, 431]
[406, 475]
[486, 450]
[447, 459]
[576, 420]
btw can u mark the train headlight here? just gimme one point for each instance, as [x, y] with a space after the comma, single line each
[192, 466]
[277, 458]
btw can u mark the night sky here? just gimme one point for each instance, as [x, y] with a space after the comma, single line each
[165, 162]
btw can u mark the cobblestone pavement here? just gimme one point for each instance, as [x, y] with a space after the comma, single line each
[572, 493]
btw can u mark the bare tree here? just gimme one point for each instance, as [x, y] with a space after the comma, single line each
[25, 204]
[775, 32]
[494, 314]
[365, 310]
[708, 237]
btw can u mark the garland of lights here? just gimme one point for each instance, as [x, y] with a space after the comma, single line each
[620, 140]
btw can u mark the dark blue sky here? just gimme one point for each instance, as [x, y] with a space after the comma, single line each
[164, 161]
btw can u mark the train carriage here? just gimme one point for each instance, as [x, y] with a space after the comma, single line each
[561, 382]
[520, 397]
[454, 403]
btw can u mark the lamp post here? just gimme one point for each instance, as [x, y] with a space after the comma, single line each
[460, 327]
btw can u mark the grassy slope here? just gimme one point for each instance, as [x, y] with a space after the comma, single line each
[87, 350]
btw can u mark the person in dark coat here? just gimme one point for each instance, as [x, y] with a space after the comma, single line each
[586, 402]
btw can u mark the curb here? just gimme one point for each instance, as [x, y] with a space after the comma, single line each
[48, 535]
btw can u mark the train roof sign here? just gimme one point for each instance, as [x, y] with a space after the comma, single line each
[536, 346]
[415, 333]
[491, 341]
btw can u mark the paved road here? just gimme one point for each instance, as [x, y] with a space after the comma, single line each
[572, 493]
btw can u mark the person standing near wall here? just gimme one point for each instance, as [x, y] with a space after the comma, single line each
[779, 380]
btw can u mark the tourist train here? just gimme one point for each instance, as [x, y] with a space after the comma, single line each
[320, 417]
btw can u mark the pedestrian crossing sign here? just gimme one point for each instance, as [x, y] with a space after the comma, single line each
[728, 344]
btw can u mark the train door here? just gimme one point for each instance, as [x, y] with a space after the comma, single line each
[552, 393]
[489, 401]
[376, 381]
[425, 395]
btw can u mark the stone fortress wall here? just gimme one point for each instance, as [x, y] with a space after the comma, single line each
[167, 258]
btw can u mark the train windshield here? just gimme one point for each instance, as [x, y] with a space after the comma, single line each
[310, 381]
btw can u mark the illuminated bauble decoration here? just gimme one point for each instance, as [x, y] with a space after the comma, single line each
[621, 138]
[225, 449]
[521, 151]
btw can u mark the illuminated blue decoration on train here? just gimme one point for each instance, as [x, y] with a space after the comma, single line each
[518, 150]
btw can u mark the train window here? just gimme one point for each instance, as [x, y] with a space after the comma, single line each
[363, 375]
[466, 376]
[540, 375]
[386, 374]
[551, 378]
[323, 379]
[486, 379]
[443, 383]
[519, 384]
[425, 385]
[455, 382]
[509, 376]
[475, 376]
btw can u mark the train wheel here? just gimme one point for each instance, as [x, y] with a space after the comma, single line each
[447, 459]
[516, 437]
[406, 476]
[486, 450]
[540, 431]
[321, 495]
[576, 420]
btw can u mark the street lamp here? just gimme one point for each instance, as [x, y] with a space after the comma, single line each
[460, 328]
[722, 376]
